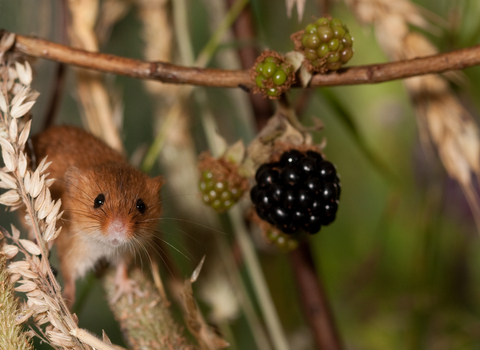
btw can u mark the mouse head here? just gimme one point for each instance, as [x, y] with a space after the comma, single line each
[113, 202]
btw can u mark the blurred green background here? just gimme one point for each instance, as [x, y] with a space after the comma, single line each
[400, 263]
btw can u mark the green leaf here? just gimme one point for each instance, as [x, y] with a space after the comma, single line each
[351, 127]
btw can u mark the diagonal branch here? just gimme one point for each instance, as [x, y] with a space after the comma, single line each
[174, 74]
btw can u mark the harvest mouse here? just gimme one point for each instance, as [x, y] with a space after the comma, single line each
[111, 208]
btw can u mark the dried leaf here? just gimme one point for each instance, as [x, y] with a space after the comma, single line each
[15, 207]
[34, 294]
[36, 184]
[20, 92]
[20, 111]
[14, 278]
[305, 76]
[8, 180]
[59, 338]
[43, 165]
[53, 214]
[26, 287]
[220, 144]
[54, 236]
[6, 42]
[10, 251]
[25, 133]
[40, 308]
[53, 320]
[30, 247]
[18, 266]
[22, 164]
[3, 103]
[52, 304]
[47, 207]
[24, 73]
[7, 145]
[15, 233]
[49, 231]
[13, 130]
[294, 58]
[197, 270]
[300, 8]
[32, 95]
[27, 181]
[3, 185]
[105, 338]
[29, 274]
[8, 159]
[235, 153]
[40, 199]
[10, 198]
[39, 187]
[23, 316]
[41, 319]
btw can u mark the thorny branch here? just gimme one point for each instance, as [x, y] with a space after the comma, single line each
[174, 74]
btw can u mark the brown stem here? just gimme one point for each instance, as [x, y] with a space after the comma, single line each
[302, 102]
[56, 97]
[170, 73]
[324, 6]
[314, 300]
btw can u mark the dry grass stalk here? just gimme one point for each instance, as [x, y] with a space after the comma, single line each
[29, 190]
[11, 319]
[111, 12]
[205, 335]
[300, 8]
[97, 108]
[441, 117]
[148, 322]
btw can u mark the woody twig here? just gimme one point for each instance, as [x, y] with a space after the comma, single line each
[174, 74]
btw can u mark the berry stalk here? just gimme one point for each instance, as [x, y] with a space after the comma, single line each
[314, 299]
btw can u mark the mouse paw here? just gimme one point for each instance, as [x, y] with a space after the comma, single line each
[127, 287]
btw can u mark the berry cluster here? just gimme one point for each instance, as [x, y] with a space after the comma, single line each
[220, 195]
[327, 44]
[272, 74]
[300, 192]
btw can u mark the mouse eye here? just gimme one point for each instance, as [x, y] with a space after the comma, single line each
[99, 201]
[141, 206]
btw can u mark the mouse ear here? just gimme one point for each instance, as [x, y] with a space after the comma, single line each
[72, 176]
[158, 182]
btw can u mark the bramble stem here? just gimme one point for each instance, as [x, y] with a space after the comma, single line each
[174, 74]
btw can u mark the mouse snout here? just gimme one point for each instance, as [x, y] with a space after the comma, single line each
[118, 231]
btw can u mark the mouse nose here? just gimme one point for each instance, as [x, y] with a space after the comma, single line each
[117, 231]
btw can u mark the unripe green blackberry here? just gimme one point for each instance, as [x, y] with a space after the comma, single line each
[326, 44]
[282, 241]
[272, 75]
[220, 185]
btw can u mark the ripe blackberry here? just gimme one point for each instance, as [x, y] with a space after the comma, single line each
[272, 75]
[220, 185]
[298, 193]
[326, 44]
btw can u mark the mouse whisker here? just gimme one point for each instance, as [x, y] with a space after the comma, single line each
[173, 235]
[194, 223]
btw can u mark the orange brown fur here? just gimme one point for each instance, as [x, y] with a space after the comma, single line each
[85, 167]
